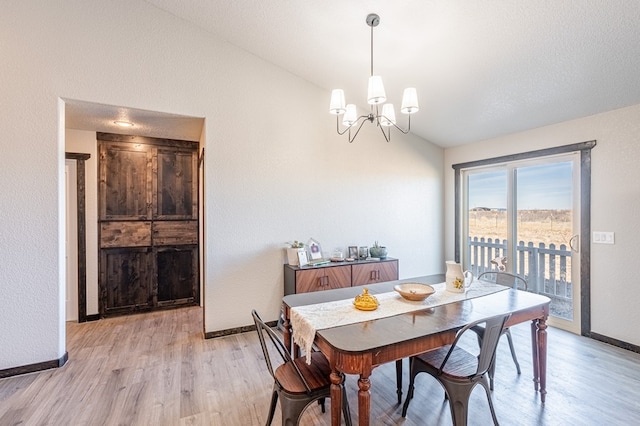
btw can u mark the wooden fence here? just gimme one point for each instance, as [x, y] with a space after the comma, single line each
[546, 269]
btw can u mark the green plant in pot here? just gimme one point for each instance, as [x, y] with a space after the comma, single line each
[292, 252]
[378, 251]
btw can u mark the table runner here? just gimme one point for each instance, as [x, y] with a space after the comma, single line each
[305, 320]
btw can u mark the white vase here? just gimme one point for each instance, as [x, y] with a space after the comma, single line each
[292, 256]
[457, 281]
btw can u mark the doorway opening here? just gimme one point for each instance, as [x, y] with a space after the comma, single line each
[82, 121]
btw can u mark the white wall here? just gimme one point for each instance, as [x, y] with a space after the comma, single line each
[615, 202]
[274, 169]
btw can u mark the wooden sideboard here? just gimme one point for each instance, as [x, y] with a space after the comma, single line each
[338, 275]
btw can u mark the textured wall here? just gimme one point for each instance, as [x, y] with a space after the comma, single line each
[615, 201]
[274, 169]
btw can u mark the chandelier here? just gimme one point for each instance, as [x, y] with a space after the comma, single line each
[381, 113]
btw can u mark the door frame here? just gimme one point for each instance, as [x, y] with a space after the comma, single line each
[80, 159]
[585, 213]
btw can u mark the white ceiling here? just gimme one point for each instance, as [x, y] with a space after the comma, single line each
[101, 118]
[482, 68]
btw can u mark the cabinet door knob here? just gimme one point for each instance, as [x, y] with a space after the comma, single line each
[324, 281]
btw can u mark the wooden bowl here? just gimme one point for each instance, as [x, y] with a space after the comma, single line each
[414, 291]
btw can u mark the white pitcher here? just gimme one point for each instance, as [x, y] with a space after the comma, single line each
[457, 281]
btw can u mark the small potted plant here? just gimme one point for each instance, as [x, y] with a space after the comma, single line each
[292, 252]
[378, 251]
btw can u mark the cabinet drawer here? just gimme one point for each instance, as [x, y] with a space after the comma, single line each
[374, 272]
[323, 279]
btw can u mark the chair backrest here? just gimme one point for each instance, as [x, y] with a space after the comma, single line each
[269, 338]
[504, 278]
[493, 327]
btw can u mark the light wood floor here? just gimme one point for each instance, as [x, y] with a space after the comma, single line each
[156, 369]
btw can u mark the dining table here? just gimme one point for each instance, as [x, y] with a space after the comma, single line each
[358, 347]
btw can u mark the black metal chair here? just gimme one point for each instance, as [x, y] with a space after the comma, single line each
[459, 371]
[296, 383]
[509, 280]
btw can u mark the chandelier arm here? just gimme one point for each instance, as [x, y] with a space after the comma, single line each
[351, 139]
[395, 125]
[349, 127]
[387, 138]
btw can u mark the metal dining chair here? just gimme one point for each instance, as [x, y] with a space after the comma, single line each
[509, 280]
[295, 382]
[459, 371]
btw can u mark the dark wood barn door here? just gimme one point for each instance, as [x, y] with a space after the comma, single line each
[148, 213]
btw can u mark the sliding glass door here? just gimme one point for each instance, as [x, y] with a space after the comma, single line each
[523, 217]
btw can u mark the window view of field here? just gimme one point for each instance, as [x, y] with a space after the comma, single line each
[543, 258]
[537, 226]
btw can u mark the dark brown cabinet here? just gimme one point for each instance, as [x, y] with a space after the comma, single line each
[148, 213]
[377, 272]
[317, 279]
[338, 275]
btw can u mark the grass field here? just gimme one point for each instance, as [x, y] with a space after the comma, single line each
[536, 226]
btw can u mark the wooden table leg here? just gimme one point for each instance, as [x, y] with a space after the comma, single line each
[286, 334]
[336, 397]
[534, 354]
[364, 400]
[542, 357]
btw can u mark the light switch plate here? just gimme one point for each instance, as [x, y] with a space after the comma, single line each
[604, 237]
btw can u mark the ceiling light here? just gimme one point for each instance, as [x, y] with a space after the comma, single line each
[123, 123]
[376, 97]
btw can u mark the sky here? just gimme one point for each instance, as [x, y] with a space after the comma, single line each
[546, 186]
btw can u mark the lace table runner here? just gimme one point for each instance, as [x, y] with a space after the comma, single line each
[305, 320]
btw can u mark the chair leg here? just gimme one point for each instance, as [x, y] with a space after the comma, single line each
[490, 399]
[412, 377]
[458, 402]
[492, 372]
[272, 408]
[292, 410]
[513, 351]
[399, 380]
[346, 412]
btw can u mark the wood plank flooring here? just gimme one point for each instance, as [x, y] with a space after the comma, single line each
[157, 369]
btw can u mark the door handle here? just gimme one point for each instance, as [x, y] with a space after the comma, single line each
[575, 247]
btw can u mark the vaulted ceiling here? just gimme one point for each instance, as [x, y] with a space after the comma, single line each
[482, 68]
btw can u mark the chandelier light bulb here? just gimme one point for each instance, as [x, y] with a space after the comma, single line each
[336, 106]
[388, 115]
[409, 101]
[376, 94]
[350, 116]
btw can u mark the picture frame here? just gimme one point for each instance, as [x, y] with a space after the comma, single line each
[315, 250]
[353, 252]
[363, 252]
[302, 258]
